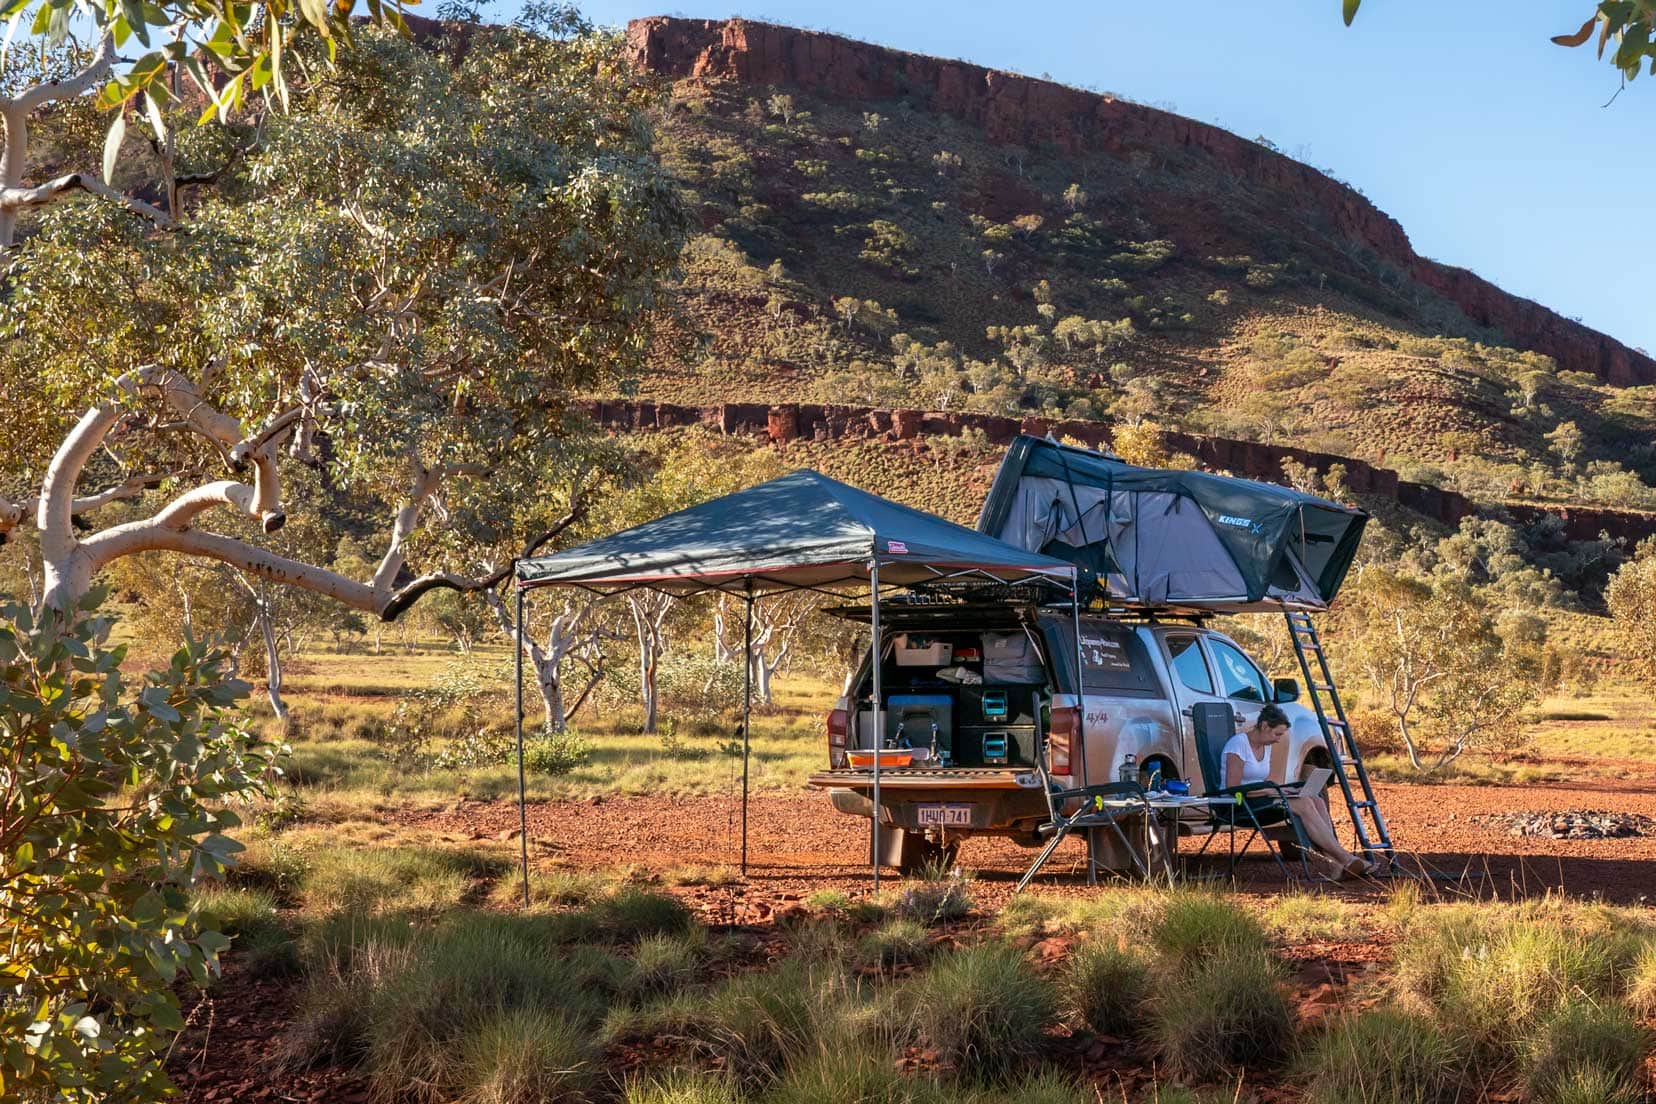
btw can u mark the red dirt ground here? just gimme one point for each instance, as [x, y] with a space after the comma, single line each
[799, 845]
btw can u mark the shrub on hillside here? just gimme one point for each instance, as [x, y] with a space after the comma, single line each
[1386, 1057]
[1223, 1013]
[556, 752]
[983, 1007]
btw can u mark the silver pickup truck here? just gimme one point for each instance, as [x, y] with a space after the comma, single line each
[973, 694]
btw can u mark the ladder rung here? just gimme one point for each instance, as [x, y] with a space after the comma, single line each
[1323, 688]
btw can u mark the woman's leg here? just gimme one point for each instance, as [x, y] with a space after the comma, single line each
[1319, 828]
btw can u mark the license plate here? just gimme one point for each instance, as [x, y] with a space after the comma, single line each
[945, 816]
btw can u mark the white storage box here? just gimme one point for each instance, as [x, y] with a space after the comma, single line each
[914, 650]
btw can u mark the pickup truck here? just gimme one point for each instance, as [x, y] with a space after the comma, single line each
[978, 692]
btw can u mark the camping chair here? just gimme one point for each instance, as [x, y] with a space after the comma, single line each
[1253, 805]
[1089, 815]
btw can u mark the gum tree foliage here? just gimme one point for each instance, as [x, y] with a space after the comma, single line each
[1631, 596]
[1432, 659]
[1625, 29]
[113, 802]
[399, 285]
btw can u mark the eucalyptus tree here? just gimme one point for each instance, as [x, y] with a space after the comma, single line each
[399, 283]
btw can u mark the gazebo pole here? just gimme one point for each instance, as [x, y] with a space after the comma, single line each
[523, 811]
[1080, 760]
[747, 711]
[879, 716]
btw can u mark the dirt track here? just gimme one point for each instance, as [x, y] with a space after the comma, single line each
[798, 844]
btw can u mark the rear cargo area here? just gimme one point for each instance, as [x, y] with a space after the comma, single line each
[954, 699]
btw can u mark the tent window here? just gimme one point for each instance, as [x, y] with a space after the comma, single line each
[1186, 655]
[1238, 677]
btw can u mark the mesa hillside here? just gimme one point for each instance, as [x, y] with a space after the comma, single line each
[879, 229]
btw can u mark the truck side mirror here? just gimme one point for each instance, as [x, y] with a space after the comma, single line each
[1287, 689]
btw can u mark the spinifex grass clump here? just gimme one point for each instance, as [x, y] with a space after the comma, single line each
[1641, 983]
[894, 943]
[1386, 1057]
[524, 1057]
[665, 963]
[1584, 1044]
[937, 897]
[681, 1087]
[1104, 988]
[477, 970]
[1196, 925]
[405, 879]
[1226, 1012]
[983, 1008]
[1497, 978]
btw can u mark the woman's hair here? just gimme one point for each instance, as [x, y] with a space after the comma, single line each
[1271, 716]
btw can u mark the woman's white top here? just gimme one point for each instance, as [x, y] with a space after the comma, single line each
[1253, 770]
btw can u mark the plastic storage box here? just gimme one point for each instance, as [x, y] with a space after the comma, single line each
[914, 650]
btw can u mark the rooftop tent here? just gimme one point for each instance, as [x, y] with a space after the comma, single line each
[1172, 538]
[801, 530]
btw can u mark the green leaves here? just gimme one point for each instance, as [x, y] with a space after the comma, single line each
[93, 885]
[1348, 10]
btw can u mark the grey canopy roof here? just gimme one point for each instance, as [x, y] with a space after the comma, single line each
[801, 530]
[1153, 537]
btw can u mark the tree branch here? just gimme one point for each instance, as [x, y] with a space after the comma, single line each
[44, 93]
[14, 199]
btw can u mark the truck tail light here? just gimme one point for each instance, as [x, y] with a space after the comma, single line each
[1066, 721]
[838, 725]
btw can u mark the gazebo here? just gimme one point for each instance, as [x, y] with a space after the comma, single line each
[802, 531]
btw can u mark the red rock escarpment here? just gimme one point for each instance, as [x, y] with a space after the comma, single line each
[1020, 110]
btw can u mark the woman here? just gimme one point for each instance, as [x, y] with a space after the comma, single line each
[1247, 758]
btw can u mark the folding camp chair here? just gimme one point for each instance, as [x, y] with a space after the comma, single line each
[1092, 813]
[1253, 805]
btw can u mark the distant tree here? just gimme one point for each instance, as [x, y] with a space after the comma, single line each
[782, 106]
[1631, 596]
[1075, 197]
[1431, 656]
[1630, 24]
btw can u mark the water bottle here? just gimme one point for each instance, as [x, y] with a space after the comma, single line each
[1129, 768]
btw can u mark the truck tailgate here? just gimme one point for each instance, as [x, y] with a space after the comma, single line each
[938, 778]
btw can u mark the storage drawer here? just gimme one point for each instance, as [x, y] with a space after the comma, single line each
[995, 745]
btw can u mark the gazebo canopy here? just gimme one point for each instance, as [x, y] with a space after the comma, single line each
[803, 530]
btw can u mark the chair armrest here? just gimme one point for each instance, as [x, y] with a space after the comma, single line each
[1252, 787]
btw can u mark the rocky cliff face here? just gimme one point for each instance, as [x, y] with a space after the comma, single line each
[1019, 110]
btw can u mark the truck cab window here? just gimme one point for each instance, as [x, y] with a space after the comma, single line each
[1238, 677]
[1186, 655]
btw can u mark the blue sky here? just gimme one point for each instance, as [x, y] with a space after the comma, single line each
[1489, 144]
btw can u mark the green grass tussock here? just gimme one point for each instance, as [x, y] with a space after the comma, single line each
[422, 880]
[1641, 982]
[1226, 1012]
[983, 1007]
[850, 1072]
[664, 963]
[894, 943]
[1386, 1056]
[681, 1087]
[1104, 987]
[1584, 1044]
[1594, 1086]
[524, 1057]
[933, 900]
[1196, 925]
[1497, 976]
[1298, 916]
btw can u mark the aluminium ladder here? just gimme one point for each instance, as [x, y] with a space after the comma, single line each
[1373, 840]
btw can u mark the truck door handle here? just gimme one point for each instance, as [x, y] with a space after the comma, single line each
[1188, 711]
